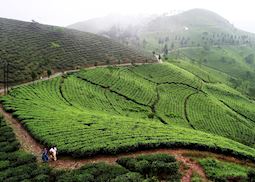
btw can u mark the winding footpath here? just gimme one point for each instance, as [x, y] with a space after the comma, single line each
[30, 145]
[56, 74]
[184, 156]
[187, 165]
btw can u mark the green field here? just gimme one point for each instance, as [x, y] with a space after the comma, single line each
[16, 165]
[231, 65]
[32, 49]
[112, 110]
[225, 171]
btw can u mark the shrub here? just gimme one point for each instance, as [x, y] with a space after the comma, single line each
[251, 175]
[129, 177]
[41, 178]
[158, 157]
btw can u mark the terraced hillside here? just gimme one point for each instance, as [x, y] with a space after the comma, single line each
[232, 65]
[32, 49]
[111, 110]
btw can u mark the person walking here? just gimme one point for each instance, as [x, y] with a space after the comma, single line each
[53, 153]
[45, 157]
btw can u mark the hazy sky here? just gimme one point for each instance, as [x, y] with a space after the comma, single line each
[64, 12]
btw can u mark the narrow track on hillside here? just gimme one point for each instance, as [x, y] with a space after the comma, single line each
[186, 109]
[27, 142]
[154, 105]
[61, 91]
[56, 74]
[237, 112]
[113, 91]
[109, 100]
[166, 82]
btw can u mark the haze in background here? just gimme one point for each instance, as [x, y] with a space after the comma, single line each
[65, 12]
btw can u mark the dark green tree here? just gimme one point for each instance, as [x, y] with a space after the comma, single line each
[249, 59]
[165, 49]
[49, 73]
[33, 75]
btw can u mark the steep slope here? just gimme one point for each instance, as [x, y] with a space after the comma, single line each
[111, 110]
[235, 64]
[32, 49]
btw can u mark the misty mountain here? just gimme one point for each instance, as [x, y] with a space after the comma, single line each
[196, 27]
[102, 24]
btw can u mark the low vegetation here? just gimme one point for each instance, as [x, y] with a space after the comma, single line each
[225, 171]
[32, 48]
[231, 65]
[16, 165]
[162, 165]
[112, 110]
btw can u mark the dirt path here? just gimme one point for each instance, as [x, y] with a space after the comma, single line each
[72, 71]
[184, 156]
[29, 144]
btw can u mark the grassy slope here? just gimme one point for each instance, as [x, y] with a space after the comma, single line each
[223, 171]
[109, 110]
[228, 62]
[16, 165]
[32, 47]
[193, 28]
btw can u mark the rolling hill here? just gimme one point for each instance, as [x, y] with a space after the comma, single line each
[112, 110]
[104, 24]
[197, 36]
[235, 63]
[196, 27]
[197, 99]
[32, 49]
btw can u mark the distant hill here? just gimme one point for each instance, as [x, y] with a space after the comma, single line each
[193, 28]
[102, 24]
[191, 19]
[196, 27]
[32, 49]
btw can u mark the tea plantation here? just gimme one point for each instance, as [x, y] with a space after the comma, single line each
[16, 165]
[32, 49]
[112, 110]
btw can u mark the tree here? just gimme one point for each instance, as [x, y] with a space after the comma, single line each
[33, 75]
[49, 73]
[251, 175]
[165, 50]
[249, 59]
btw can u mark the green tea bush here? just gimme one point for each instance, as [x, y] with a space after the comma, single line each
[162, 166]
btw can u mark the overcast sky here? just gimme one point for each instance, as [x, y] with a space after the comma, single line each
[64, 12]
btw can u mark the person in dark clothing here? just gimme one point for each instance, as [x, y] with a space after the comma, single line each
[45, 157]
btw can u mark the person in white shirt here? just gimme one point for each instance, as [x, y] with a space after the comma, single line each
[53, 153]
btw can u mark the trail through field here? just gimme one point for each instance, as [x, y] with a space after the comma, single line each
[29, 144]
[184, 156]
[56, 74]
